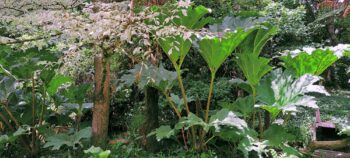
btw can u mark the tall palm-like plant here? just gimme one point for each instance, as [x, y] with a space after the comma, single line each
[215, 50]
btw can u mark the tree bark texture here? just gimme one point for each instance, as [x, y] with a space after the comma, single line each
[100, 116]
[331, 30]
[151, 119]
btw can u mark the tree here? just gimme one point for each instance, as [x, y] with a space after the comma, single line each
[100, 115]
[108, 30]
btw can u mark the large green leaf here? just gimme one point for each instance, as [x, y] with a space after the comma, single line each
[56, 82]
[276, 135]
[97, 152]
[191, 120]
[180, 101]
[233, 23]
[289, 92]
[243, 105]
[253, 67]
[215, 50]
[255, 42]
[163, 132]
[242, 84]
[305, 63]
[193, 17]
[149, 75]
[23, 64]
[264, 91]
[176, 48]
[59, 140]
[312, 61]
[250, 143]
[46, 75]
[227, 118]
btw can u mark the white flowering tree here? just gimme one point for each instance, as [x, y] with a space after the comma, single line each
[74, 27]
[101, 28]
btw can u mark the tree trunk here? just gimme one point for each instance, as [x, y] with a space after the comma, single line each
[100, 116]
[267, 120]
[331, 154]
[331, 30]
[336, 144]
[151, 119]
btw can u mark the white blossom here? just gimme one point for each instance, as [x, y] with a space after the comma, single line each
[184, 3]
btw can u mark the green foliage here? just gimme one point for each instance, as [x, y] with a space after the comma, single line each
[3, 140]
[256, 41]
[244, 105]
[227, 118]
[56, 82]
[162, 132]
[97, 152]
[193, 17]
[233, 23]
[60, 140]
[253, 67]
[242, 84]
[23, 64]
[288, 93]
[179, 102]
[276, 135]
[219, 8]
[216, 50]
[222, 120]
[7, 86]
[314, 62]
[190, 121]
[149, 75]
[198, 88]
[289, 21]
[277, 92]
[176, 48]
[76, 93]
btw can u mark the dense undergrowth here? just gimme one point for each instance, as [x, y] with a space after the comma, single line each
[171, 78]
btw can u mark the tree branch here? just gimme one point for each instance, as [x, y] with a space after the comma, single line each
[16, 41]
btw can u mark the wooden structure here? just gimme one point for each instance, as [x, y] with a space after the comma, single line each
[320, 124]
[333, 144]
